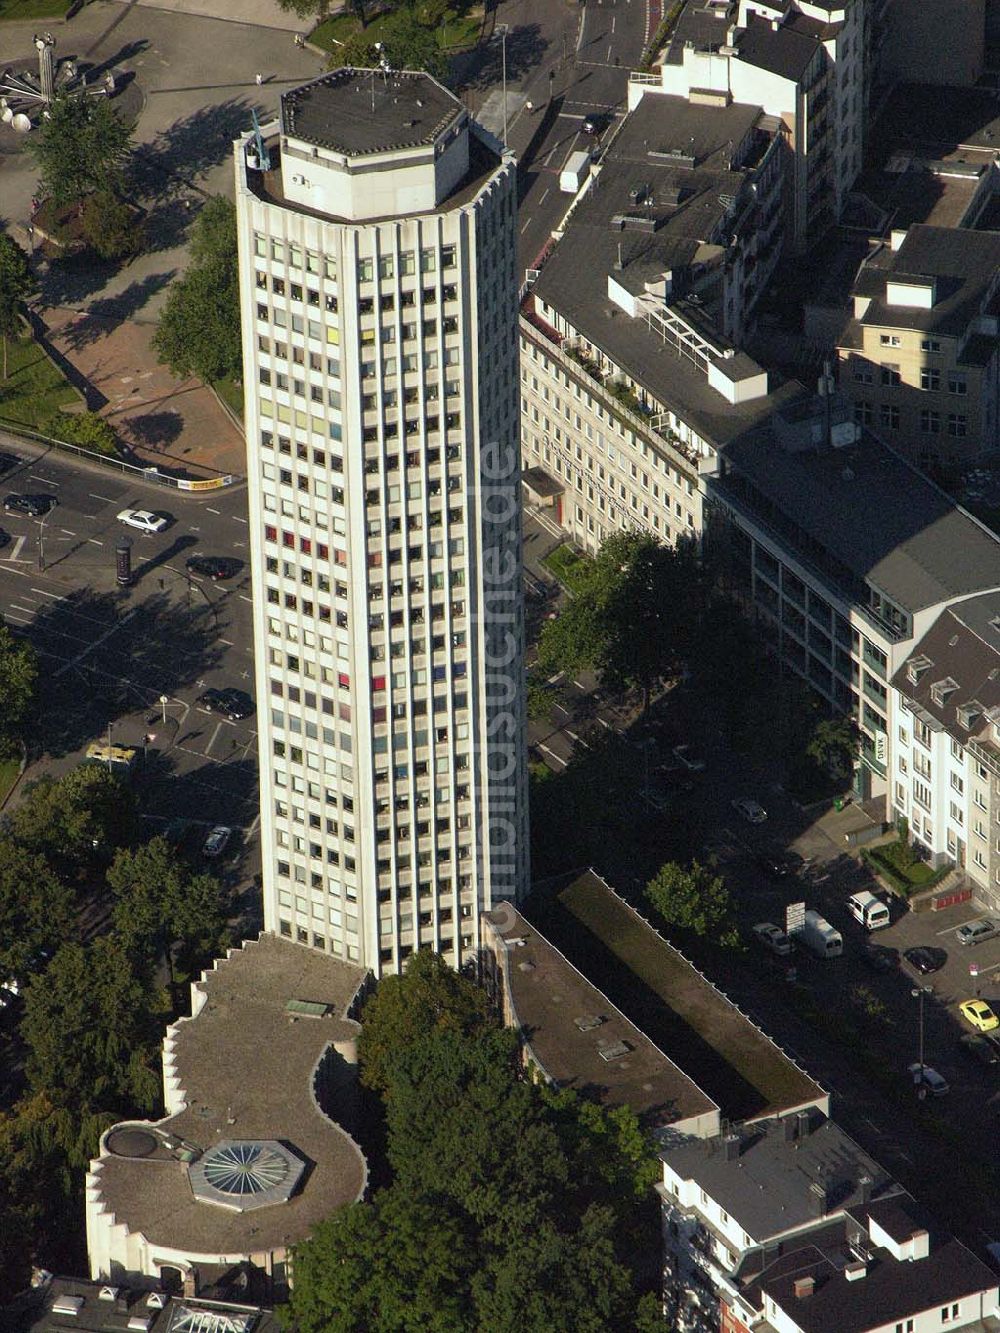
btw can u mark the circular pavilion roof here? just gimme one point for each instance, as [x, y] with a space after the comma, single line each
[245, 1173]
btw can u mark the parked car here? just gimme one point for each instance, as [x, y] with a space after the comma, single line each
[773, 938]
[974, 932]
[881, 959]
[596, 123]
[34, 506]
[981, 1049]
[144, 520]
[691, 762]
[231, 703]
[926, 960]
[752, 811]
[775, 864]
[214, 567]
[217, 841]
[8, 461]
[927, 1079]
[979, 1014]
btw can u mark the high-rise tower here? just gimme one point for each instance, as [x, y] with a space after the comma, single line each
[377, 233]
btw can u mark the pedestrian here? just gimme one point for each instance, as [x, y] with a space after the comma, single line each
[258, 79]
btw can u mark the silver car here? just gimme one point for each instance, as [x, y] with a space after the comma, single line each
[974, 932]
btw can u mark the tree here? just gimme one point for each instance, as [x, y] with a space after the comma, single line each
[316, 10]
[429, 996]
[16, 284]
[36, 912]
[405, 43]
[91, 1025]
[86, 429]
[81, 147]
[694, 900]
[18, 677]
[160, 902]
[834, 745]
[199, 331]
[631, 617]
[110, 226]
[76, 819]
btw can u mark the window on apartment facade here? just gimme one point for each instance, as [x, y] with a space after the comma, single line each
[930, 378]
[930, 422]
[889, 340]
[864, 414]
[889, 416]
[949, 1312]
[930, 345]
[888, 374]
[957, 381]
[957, 424]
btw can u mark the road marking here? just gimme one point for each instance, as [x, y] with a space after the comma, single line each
[98, 641]
[10, 616]
[606, 725]
[527, 224]
[212, 511]
[545, 195]
[44, 480]
[67, 532]
[613, 21]
[106, 498]
[17, 548]
[244, 598]
[56, 596]
[24, 610]
[214, 737]
[227, 642]
[236, 519]
[551, 753]
[94, 541]
[948, 929]
[579, 686]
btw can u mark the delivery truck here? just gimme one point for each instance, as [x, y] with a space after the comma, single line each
[574, 172]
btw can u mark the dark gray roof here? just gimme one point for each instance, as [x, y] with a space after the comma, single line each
[964, 645]
[865, 510]
[889, 1292]
[33, 1312]
[777, 1183]
[358, 111]
[962, 263]
[782, 51]
[574, 279]
[701, 23]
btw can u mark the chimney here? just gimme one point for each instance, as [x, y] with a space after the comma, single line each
[805, 1124]
[190, 1285]
[804, 1287]
[855, 1271]
[920, 1244]
[790, 1128]
[731, 1144]
[817, 1191]
[865, 1188]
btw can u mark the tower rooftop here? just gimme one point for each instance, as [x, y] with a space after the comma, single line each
[361, 111]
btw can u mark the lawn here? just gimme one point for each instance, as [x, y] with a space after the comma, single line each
[9, 769]
[457, 32]
[231, 393]
[566, 564]
[34, 389]
[33, 9]
[905, 874]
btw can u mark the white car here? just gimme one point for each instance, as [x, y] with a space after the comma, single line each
[752, 811]
[143, 519]
[217, 841]
[773, 938]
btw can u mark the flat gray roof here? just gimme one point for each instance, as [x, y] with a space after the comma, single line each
[358, 111]
[38, 1310]
[566, 1023]
[773, 1183]
[686, 204]
[866, 510]
[246, 1069]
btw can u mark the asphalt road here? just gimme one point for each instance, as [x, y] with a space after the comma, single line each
[109, 654]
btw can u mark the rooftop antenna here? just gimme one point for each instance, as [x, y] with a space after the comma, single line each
[263, 156]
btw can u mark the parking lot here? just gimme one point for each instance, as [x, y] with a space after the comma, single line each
[109, 655]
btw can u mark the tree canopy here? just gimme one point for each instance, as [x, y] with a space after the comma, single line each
[511, 1207]
[631, 616]
[36, 912]
[81, 147]
[199, 330]
[406, 43]
[18, 678]
[75, 820]
[694, 899]
[17, 283]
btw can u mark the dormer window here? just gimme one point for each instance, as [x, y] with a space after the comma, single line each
[969, 714]
[942, 689]
[916, 667]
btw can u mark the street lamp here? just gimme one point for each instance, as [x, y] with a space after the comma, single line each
[920, 992]
[41, 543]
[163, 704]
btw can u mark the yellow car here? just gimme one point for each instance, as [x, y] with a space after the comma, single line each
[980, 1015]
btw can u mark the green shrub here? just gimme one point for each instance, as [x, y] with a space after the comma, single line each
[85, 429]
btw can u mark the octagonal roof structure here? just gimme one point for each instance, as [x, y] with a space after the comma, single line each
[362, 111]
[245, 1173]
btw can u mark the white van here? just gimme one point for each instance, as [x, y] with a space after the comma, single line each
[819, 936]
[869, 910]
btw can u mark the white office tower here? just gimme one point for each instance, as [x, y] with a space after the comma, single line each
[377, 231]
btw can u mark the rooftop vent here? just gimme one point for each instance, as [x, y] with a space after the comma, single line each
[731, 1144]
[676, 157]
[855, 1270]
[614, 1051]
[67, 1305]
[804, 1287]
[108, 1294]
[140, 1323]
[156, 1300]
[587, 1022]
[941, 689]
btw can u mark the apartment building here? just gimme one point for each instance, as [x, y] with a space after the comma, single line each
[377, 230]
[628, 377]
[807, 65]
[788, 1224]
[945, 716]
[920, 358]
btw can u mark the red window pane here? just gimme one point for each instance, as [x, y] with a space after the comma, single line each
[305, 545]
[323, 551]
[271, 533]
[378, 682]
[288, 539]
[343, 679]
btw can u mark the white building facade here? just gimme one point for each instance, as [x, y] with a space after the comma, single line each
[377, 255]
